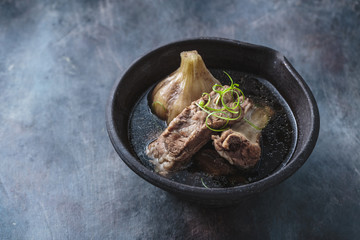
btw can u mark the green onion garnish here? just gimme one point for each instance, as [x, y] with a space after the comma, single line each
[216, 130]
[253, 125]
[226, 110]
[157, 102]
[202, 108]
[202, 181]
[232, 82]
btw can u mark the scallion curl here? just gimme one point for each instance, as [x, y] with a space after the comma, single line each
[252, 124]
[232, 82]
[215, 86]
[213, 129]
[207, 94]
[157, 102]
[225, 110]
[230, 109]
[202, 181]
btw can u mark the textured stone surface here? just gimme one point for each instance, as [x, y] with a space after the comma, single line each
[59, 175]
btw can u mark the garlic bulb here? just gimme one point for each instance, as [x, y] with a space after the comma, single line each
[182, 87]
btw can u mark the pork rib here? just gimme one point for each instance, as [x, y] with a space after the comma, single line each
[240, 144]
[187, 133]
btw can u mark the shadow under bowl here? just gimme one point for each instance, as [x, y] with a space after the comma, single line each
[221, 54]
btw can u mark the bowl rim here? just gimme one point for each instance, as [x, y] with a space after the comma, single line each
[241, 190]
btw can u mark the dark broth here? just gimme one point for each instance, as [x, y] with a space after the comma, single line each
[277, 139]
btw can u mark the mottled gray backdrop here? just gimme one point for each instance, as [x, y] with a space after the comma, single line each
[59, 175]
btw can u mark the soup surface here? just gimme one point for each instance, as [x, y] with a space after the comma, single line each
[277, 140]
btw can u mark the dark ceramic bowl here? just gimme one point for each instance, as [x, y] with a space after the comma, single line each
[221, 54]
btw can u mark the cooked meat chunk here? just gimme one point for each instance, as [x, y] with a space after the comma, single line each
[237, 149]
[240, 144]
[186, 134]
[210, 162]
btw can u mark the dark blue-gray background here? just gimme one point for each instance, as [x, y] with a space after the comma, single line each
[59, 175]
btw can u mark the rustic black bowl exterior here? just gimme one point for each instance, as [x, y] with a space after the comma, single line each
[223, 54]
